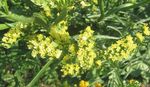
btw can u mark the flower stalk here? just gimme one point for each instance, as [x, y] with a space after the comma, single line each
[40, 73]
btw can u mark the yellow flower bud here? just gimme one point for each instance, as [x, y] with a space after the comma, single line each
[83, 83]
[99, 62]
[98, 84]
[146, 29]
[140, 36]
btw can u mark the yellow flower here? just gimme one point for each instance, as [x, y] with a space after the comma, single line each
[131, 81]
[120, 42]
[66, 58]
[86, 53]
[58, 53]
[88, 29]
[86, 37]
[71, 48]
[95, 1]
[83, 83]
[99, 62]
[98, 84]
[129, 38]
[124, 54]
[40, 37]
[47, 11]
[85, 58]
[146, 29]
[83, 4]
[34, 53]
[139, 36]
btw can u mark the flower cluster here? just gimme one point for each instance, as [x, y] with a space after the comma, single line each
[86, 52]
[121, 49]
[70, 69]
[44, 46]
[81, 53]
[11, 37]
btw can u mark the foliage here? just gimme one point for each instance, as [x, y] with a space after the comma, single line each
[74, 43]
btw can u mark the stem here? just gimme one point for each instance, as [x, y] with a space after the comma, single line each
[101, 7]
[6, 6]
[40, 73]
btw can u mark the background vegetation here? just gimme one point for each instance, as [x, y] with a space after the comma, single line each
[74, 43]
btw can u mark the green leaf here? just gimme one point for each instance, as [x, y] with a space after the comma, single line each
[17, 18]
[4, 26]
[7, 25]
[41, 19]
[105, 37]
[121, 7]
[127, 6]
[115, 29]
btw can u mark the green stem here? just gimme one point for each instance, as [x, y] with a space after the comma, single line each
[6, 6]
[101, 7]
[40, 73]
